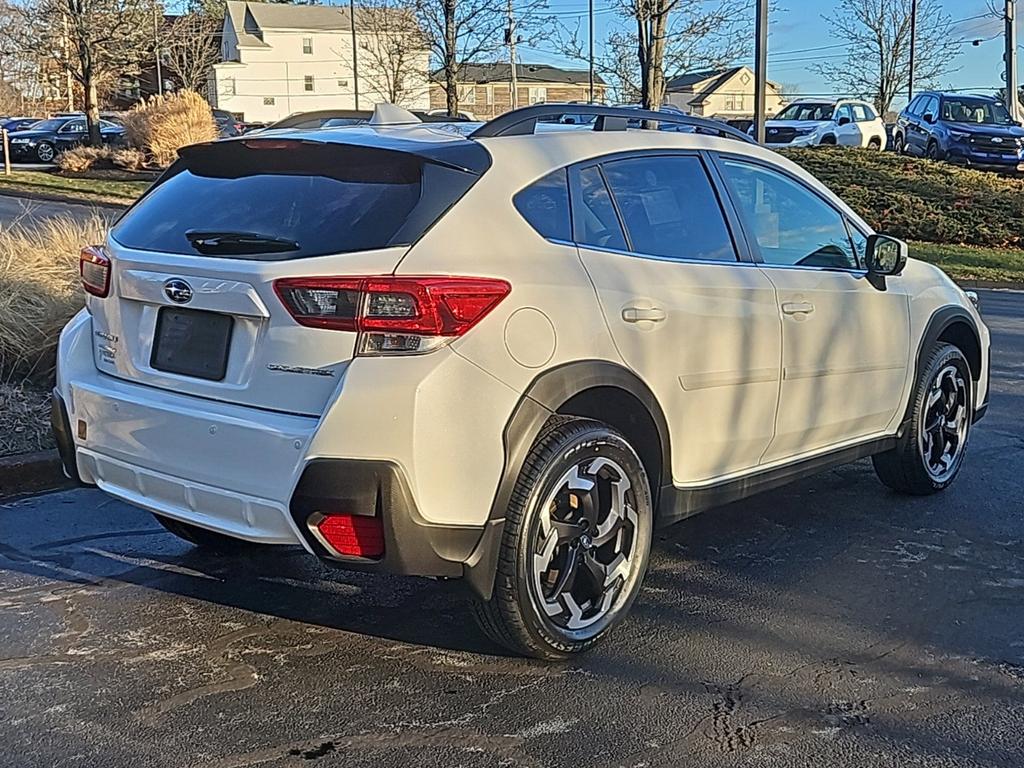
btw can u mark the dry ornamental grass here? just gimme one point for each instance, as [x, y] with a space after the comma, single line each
[39, 291]
[162, 124]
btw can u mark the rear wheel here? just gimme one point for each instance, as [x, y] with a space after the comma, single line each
[576, 542]
[200, 537]
[928, 457]
[875, 144]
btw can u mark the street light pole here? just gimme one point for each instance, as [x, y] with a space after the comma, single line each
[355, 51]
[761, 71]
[1012, 98]
[156, 50]
[591, 15]
[913, 49]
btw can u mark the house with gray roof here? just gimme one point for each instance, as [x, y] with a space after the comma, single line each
[485, 89]
[279, 59]
[726, 93]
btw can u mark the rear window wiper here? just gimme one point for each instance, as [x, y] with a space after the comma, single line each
[212, 242]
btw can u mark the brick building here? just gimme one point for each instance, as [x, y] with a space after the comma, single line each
[486, 89]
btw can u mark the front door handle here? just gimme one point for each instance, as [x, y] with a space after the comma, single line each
[640, 314]
[797, 308]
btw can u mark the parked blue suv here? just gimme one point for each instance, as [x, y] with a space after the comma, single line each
[976, 131]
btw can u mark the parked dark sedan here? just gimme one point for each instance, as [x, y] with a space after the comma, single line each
[12, 124]
[46, 139]
[976, 131]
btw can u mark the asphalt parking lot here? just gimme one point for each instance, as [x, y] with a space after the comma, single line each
[830, 623]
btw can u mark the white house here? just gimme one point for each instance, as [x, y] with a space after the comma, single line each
[279, 59]
[723, 93]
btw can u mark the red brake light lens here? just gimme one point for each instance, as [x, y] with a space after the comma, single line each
[94, 266]
[353, 535]
[393, 314]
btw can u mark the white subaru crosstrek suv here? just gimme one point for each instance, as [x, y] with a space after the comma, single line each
[504, 358]
[811, 122]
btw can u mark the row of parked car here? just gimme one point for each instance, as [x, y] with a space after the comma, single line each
[40, 140]
[971, 130]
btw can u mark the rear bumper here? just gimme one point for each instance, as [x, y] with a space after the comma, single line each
[260, 476]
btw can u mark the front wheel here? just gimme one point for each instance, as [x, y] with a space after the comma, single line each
[899, 146]
[45, 152]
[576, 542]
[928, 457]
[875, 144]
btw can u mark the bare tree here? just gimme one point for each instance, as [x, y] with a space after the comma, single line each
[668, 37]
[97, 41]
[877, 33]
[465, 31]
[395, 48]
[191, 48]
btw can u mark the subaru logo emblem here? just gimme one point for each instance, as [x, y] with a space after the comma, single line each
[773, 130]
[178, 291]
[996, 140]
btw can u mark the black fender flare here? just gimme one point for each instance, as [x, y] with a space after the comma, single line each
[541, 400]
[940, 320]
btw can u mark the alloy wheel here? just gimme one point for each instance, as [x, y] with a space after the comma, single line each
[45, 153]
[584, 546]
[945, 421]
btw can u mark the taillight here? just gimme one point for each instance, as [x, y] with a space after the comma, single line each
[352, 535]
[393, 315]
[94, 266]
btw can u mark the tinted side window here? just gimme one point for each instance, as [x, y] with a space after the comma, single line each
[860, 244]
[669, 208]
[915, 106]
[597, 223]
[791, 224]
[931, 107]
[844, 111]
[545, 205]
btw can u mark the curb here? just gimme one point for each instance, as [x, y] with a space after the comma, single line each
[30, 473]
[55, 197]
[990, 285]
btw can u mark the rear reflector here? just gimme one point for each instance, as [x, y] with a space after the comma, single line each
[393, 315]
[353, 535]
[94, 266]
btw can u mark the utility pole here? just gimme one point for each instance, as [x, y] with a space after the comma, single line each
[510, 38]
[66, 45]
[913, 49]
[1012, 98]
[591, 16]
[355, 51]
[156, 50]
[760, 70]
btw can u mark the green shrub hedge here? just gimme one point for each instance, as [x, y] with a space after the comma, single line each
[918, 199]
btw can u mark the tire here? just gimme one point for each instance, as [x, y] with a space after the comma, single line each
[45, 152]
[549, 601]
[828, 141]
[875, 144]
[941, 417]
[204, 539]
[899, 146]
[933, 152]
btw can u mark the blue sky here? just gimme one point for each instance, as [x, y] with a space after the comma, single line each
[798, 26]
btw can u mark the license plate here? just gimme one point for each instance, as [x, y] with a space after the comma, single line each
[191, 342]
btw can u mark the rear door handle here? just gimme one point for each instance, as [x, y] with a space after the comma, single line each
[797, 308]
[640, 314]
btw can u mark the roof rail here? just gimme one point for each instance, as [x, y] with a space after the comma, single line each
[522, 122]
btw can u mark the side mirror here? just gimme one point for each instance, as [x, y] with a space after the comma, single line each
[844, 120]
[929, 117]
[886, 255]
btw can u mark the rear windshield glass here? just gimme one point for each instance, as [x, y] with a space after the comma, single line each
[286, 199]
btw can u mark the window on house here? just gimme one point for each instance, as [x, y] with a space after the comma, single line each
[307, 82]
[343, 83]
[268, 101]
[467, 94]
[307, 45]
[229, 86]
[537, 94]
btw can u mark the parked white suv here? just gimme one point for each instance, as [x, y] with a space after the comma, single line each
[810, 122]
[505, 358]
